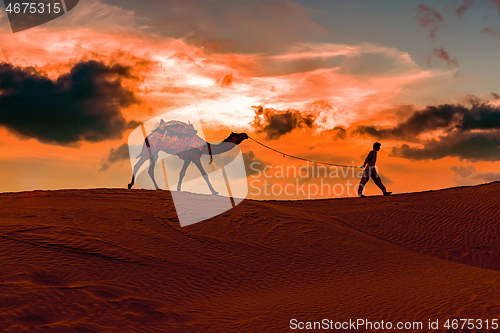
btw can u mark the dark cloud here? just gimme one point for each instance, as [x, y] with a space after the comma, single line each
[490, 31]
[481, 118]
[339, 133]
[495, 96]
[428, 18]
[253, 164]
[104, 167]
[118, 154]
[463, 171]
[469, 146]
[465, 132]
[473, 100]
[487, 176]
[497, 4]
[469, 176]
[429, 119]
[226, 80]
[82, 105]
[276, 123]
[115, 155]
[446, 117]
[440, 53]
[466, 4]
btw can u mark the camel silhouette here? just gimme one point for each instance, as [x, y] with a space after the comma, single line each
[189, 155]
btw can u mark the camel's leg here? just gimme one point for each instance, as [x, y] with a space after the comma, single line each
[137, 166]
[205, 176]
[183, 172]
[151, 170]
[132, 182]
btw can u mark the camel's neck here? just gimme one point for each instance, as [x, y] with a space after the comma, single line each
[217, 149]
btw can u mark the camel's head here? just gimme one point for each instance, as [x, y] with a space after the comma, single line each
[236, 138]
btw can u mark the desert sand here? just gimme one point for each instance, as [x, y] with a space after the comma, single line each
[113, 260]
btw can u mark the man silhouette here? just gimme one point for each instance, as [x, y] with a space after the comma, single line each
[370, 171]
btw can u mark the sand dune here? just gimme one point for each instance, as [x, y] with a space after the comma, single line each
[109, 260]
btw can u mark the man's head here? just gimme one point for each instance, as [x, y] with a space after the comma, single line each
[376, 146]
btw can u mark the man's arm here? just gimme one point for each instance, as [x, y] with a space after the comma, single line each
[367, 159]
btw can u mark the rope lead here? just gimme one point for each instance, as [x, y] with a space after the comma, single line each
[300, 158]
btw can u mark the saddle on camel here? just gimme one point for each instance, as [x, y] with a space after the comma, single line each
[175, 137]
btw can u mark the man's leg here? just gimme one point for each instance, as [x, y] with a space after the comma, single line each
[363, 182]
[378, 181]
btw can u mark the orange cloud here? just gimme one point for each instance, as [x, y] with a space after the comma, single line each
[343, 85]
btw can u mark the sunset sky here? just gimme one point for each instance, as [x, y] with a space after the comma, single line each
[319, 79]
